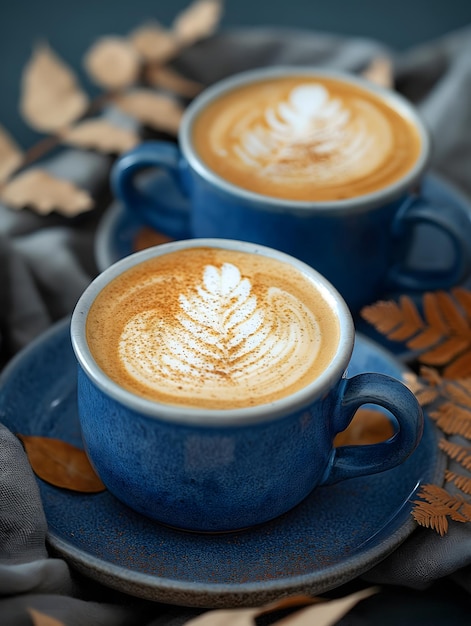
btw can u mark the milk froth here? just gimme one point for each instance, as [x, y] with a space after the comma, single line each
[212, 328]
[305, 138]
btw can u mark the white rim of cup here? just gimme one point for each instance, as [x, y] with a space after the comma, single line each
[356, 204]
[213, 417]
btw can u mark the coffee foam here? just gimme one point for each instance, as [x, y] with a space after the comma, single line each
[305, 139]
[212, 328]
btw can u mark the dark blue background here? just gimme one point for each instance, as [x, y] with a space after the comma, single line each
[71, 27]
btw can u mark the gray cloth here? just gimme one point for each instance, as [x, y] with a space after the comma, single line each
[46, 262]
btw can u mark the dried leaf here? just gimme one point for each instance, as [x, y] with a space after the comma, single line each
[397, 320]
[42, 192]
[51, 98]
[460, 367]
[445, 351]
[61, 464]
[368, 426]
[452, 316]
[463, 296]
[436, 506]
[41, 619]
[101, 135]
[453, 420]
[166, 78]
[158, 111]
[462, 482]
[113, 63]
[380, 72]
[458, 453]
[246, 617]
[154, 43]
[326, 613]
[199, 20]
[147, 237]
[10, 155]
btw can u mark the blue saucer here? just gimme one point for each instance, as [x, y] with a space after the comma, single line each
[335, 535]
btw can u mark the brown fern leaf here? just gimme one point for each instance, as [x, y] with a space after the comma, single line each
[452, 314]
[466, 510]
[436, 506]
[445, 352]
[431, 376]
[462, 482]
[388, 316]
[426, 396]
[460, 454]
[452, 420]
[463, 296]
[426, 515]
[457, 393]
[460, 367]
[411, 322]
[428, 337]
[433, 312]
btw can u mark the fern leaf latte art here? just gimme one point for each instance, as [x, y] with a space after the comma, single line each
[212, 328]
[305, 138]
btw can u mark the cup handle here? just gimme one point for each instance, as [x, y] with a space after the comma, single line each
[167, 217]
[453, 222]
[361, 460]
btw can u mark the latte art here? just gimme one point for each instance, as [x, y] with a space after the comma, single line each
[212, 328]
[305, 138]
[312, 135]
[224, 339]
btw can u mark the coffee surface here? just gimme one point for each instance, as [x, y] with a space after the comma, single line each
[212, 328]
[306, 138]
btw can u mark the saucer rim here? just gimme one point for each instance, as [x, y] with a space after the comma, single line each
[220, 595]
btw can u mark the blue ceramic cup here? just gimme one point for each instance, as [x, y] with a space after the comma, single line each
[361, 244]
[222, 469]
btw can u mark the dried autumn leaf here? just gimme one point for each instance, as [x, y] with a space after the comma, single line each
[199, 20]
[462, 482]
[112, 63]
[327, 613]
[39, 190]
[154, 43]
[453, 419]
[380, 72]
[396, 320]
[61, 464]
[460, 454]
[50, 96]
[158, 111]
[10, 155]
[367, 427]
[246, 617]
[41, 619]
[166, 78]
[101, 135]
[435, 507]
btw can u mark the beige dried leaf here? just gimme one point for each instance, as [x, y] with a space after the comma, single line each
[327, 613]
[166, 78]
[10, 155]
[199, 20]
[321, 613]
[112, 63]
[154, 43]
[101, 135]
[158, 111]
[42, 192]
[380, 72]
[51, 98]
[41, 619]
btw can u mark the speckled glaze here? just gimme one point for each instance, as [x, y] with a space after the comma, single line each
[360, 244]
[219, 470]
[334, 535]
